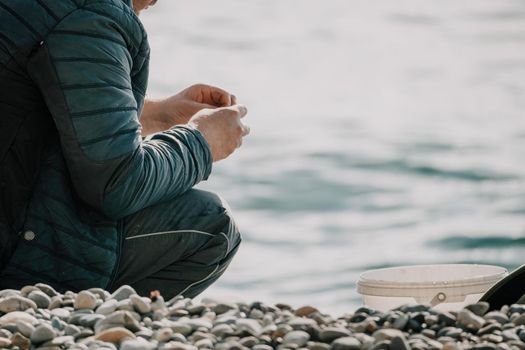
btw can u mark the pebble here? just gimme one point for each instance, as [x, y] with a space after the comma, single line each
[163, 334]
[25, 328]
[50, 291]
[41, 299]
[329, 334]
[16, 303]
[96, 319]
[116, 319]
[42, 333]
[107, 307]
[15, 316]
[346, 343]
[85, 300]
[480, 308]
[386, 334]
[251, 326]
[123, 293]
[114, 335]
[224, 307]
[298, 338]
[497, 316]
[262, 347]
[140, 304]
[305, 311]
[19, 340]
[468, 319]
[221, 330]
[5, 343]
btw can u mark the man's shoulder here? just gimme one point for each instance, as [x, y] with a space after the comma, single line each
[117, 14]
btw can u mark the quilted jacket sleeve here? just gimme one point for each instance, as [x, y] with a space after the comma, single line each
[89, 69]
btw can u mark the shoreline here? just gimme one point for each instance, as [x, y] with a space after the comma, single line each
[38, 317]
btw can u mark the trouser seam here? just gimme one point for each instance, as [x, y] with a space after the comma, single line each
[183, 231]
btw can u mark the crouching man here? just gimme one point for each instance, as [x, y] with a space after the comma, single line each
[95, 181]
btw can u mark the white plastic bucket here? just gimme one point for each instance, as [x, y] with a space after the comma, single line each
[445, 287]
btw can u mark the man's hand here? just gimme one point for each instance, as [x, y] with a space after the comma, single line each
[222, 128]
[161, 115]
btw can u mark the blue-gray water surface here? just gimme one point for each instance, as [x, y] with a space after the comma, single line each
[383, 133]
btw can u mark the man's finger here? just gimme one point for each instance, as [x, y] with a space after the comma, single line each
[234, 99]
[220, 97]
[245, 130]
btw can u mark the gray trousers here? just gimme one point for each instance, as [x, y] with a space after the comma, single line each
[179, 247]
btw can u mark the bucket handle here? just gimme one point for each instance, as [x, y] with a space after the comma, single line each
[441, 297]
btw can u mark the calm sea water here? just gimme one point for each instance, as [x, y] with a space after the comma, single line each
[383, 133]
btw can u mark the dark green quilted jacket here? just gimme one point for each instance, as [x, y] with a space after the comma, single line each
[73, 76]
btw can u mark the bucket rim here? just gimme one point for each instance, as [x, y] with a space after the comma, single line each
[475, 280]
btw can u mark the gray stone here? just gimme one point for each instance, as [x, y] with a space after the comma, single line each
[520, 320]
[262, 347]
[50, 291]
[224, 307]
[510, 334]
[469, 320]
[16, 303]
[414, 308]
[346, 343]
[489, 328]
[124, 292]
[329, 334]
[298, 338]
[62, 341]
[248, 325]
[181, 328]
[204, 343]
[61, 313]
[107, 307]
[101, 293]
[174, 345]
[26, 290]
[199, 322]
[401, 322]
[386, 334]
[249, 342]
[15, 316]
[125, 305]
[58, 323]
[497, 316]
[399, 343]
[87, 320]
[137, 344]
[85, 300]
[42, 333]
[56, 302]
[71, 329]
[196, 309]
[116, 319]
[163, 334]
[221, 329]
[41, 299]
[302, 323]
[318, 346]
[9, 293]
[447, 318]
[26, 329]
[141, 305]
[480, 308]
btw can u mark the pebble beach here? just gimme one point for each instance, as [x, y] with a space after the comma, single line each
[38, 317]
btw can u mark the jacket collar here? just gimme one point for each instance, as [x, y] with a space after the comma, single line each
[128, 2]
